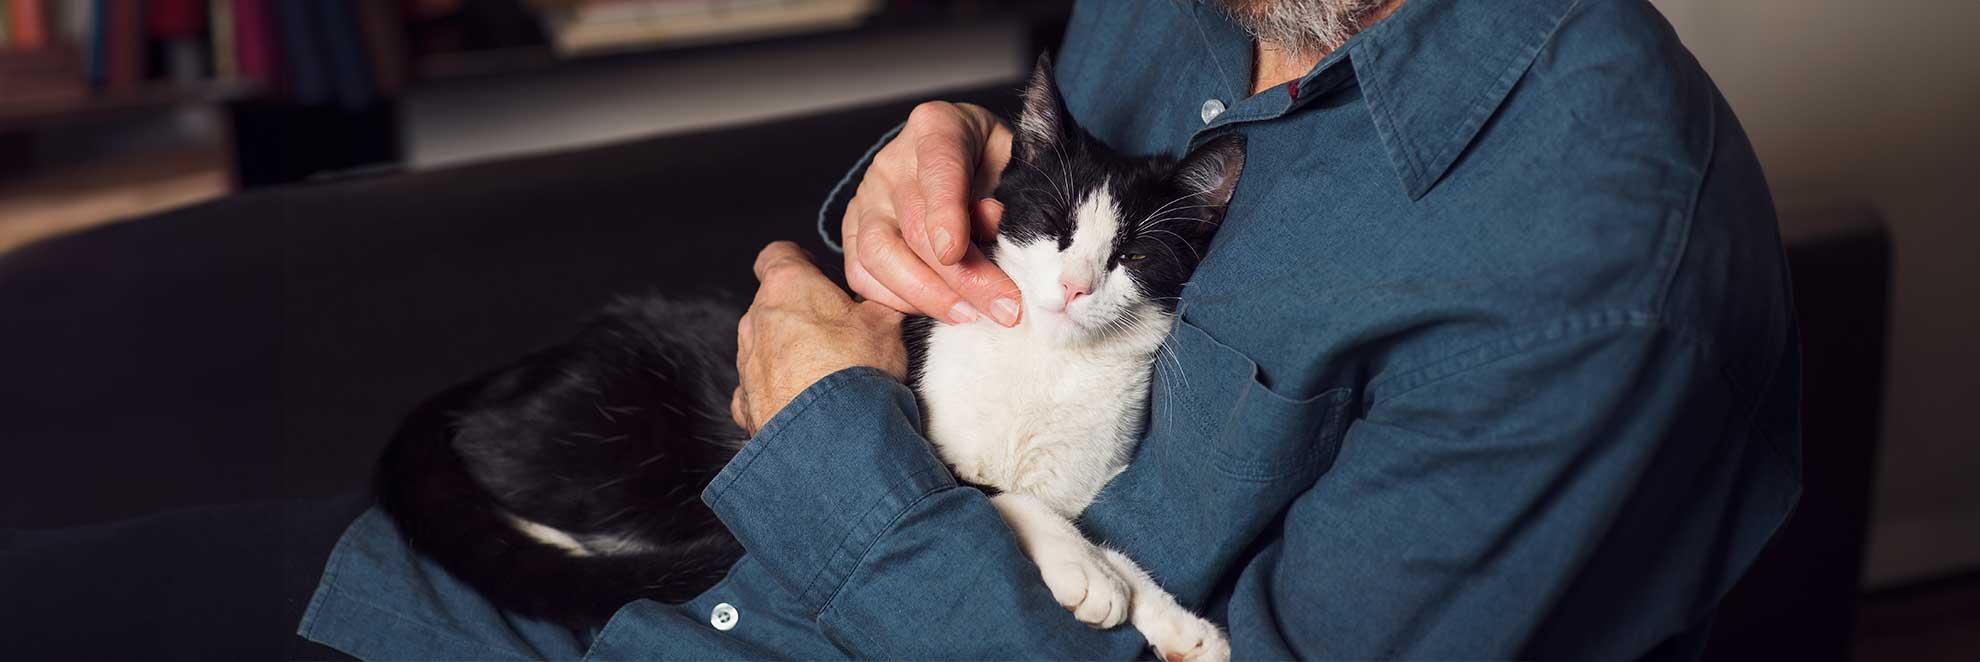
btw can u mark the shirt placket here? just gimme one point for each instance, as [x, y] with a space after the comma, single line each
[1328, 76]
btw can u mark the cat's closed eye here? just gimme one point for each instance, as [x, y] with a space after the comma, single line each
[1134, 257]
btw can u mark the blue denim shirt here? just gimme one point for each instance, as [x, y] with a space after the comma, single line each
[1493, 357]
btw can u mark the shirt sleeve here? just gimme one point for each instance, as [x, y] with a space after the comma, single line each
[1598, 475]
[842, 499]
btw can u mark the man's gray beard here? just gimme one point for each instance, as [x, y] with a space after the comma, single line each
[1300, 26]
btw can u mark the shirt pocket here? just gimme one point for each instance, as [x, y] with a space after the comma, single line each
[1209, 407]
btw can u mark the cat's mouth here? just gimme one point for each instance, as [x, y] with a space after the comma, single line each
[1085, 322]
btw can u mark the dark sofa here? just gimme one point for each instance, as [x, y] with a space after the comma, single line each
[265, 345]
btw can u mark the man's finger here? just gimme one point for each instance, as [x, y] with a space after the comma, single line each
[985, 286]
[862, 282]
[945, 169]
[739, 411]
[989, 216]
[780, 254]
[898, 269]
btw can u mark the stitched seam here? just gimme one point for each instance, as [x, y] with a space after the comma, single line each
[1475, 116]
[1573, 326]
[878, 503]
[1267, 470]
[779, 422]
[431, 629]
[1677, 255]
[868, 550]
[1386, 113]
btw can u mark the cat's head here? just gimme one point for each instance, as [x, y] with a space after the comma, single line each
[1097, 241]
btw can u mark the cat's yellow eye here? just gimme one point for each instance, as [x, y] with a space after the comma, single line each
[1134, 257]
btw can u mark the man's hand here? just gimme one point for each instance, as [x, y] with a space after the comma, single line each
[907, 230]
[800, 328]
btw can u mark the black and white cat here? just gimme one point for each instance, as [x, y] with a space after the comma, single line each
[566, 485]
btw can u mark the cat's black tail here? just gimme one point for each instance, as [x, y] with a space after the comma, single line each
[568, 484]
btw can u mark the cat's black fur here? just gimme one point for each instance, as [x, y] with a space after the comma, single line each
[612, 436]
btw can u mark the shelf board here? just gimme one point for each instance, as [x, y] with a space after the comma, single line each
[80, 102]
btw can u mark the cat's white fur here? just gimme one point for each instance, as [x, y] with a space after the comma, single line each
[1050, 410]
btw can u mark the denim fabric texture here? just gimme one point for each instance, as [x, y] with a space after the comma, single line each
[1493, 357]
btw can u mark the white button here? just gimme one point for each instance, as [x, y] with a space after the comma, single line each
[724, 617]
[1211, 109]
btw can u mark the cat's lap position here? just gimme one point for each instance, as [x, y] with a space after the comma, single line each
[563, 486]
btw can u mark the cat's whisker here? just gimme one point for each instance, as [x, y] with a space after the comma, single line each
[1172, 252]
[1065, 197]
[1165, 207]
[1185, 243]
[1172, 217]
[1064, 166]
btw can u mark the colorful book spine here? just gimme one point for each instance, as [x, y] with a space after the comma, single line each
[124, 43]
[95, 63]
[303, 54]
[220, 24]
[27, 20]
[254, 39]
[167, 20]
[344, 56]
[77, 20]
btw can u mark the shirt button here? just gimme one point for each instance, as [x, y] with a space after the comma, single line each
[1211, 109]
[724, 617]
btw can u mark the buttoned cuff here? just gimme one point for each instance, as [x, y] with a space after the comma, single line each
[825, 477]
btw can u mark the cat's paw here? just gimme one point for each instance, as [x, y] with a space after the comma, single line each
[972, 473]
[1089, 587]
[1179, 636]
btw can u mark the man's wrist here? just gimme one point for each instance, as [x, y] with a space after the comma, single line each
[825, 476]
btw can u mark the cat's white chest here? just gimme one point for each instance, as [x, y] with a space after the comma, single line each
[1013, 410]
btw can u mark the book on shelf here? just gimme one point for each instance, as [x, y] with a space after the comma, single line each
[220, 29]
[27, 24]
[584, 27]
[120, 37]
[255, 52]
[351, 52]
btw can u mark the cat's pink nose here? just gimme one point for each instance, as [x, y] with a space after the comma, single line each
[1075, 290]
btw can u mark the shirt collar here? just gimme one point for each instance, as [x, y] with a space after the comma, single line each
[1431, 74]
[1435, 71]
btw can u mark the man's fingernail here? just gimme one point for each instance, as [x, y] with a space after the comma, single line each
[942, 238]
[962, 313]
[1006, 312]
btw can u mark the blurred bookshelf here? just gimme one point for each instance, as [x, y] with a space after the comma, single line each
[309, 87]
[495, 38]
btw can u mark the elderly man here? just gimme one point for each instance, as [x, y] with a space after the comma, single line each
[1492, 357]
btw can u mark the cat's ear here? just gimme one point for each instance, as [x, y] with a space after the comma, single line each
[1211, 171]
[1042, 126]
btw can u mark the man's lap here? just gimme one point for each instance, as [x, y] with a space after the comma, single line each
[378, 599]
